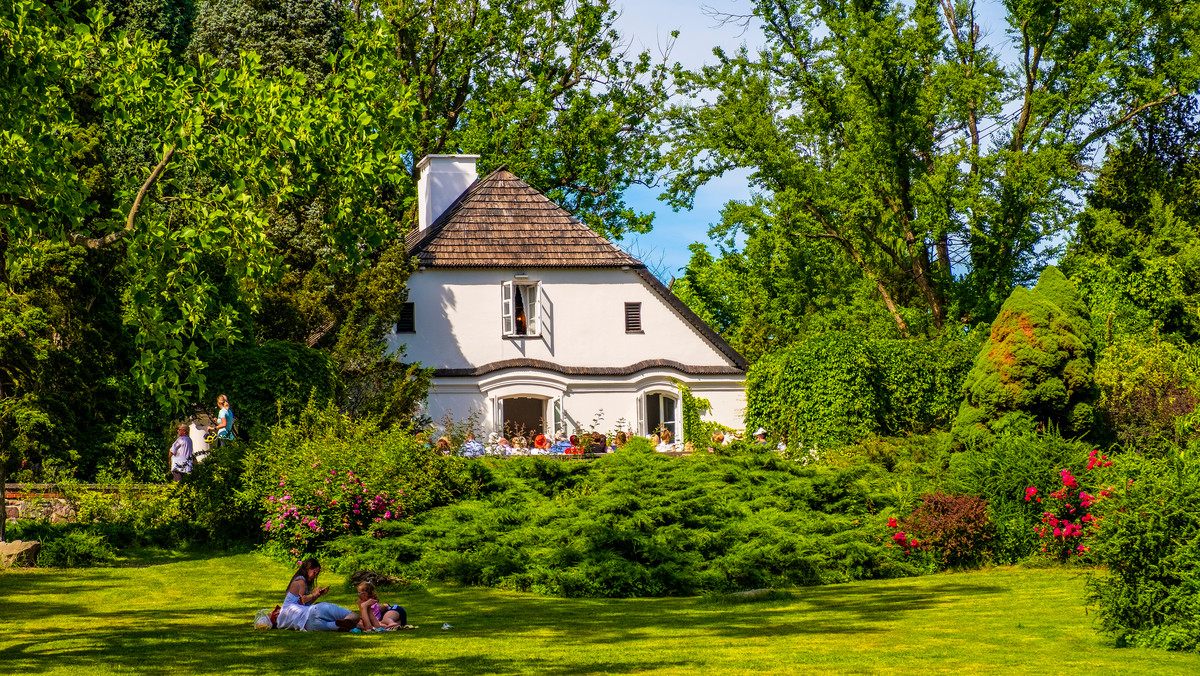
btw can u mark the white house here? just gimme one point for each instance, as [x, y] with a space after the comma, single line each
[533, 322]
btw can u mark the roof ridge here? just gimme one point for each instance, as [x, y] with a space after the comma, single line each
[497, 219]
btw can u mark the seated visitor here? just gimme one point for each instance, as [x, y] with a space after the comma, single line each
[504, 448]
[618, 441]
[599, 445]
[471, 448]
[378, 616]
[300, 609]
[560, 443]
[541, 445]
[520, 446]
[575, 448]
[666, 445]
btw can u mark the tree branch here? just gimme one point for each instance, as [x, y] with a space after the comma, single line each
[101, 242]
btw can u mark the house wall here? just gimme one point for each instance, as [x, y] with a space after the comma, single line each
[457, 316]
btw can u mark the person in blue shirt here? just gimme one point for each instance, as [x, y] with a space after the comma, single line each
[224, 421]
[471, 448]
[560, 444]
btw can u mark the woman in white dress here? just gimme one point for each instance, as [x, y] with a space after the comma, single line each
[300, 610]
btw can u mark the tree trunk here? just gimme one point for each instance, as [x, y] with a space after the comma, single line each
[3, 501]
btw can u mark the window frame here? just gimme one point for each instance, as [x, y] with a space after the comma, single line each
[509, 290]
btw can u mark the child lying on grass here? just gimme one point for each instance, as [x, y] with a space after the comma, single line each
[376, 616]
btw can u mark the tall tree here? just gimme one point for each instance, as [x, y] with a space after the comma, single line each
[299, 34]
[893, 131]
[546, 87]
[1135, 253]
[229, 145]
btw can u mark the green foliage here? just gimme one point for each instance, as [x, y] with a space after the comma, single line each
[819, 392]
[639, 524]
[1148, 596]
[1001, 470]
[548, 88]
[271, 382]
[956, 527]
[1147, 393]
[777, 289]
[325, 476]
[840, 387]
[297, 34]
[1135, 254]
[1037, 363]
[885, 129]
[76, 549]
[694, 429]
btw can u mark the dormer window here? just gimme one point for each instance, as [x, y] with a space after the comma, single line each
[520, 309]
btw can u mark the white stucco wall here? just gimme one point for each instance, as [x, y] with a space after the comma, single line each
[457, 317]
[604, 404]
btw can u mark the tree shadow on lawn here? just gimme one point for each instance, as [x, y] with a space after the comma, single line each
[196, 648]
[833, 609]
[187, 635]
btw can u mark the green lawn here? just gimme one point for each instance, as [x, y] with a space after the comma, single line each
[192, 614]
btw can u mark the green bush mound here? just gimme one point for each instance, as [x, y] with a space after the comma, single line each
[1149, 540]
[839, 387]
[638, 524]
[1036, 365]
[271, 382]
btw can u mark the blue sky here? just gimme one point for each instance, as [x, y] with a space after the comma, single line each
[648, 25]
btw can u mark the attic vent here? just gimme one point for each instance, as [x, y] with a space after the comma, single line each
[633, 318]
[407, 323]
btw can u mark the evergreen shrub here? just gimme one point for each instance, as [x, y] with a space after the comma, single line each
[1035, 365]
[1149, 541]
[635, 523]
[75, 548]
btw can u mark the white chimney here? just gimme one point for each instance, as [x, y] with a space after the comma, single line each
[441, 180]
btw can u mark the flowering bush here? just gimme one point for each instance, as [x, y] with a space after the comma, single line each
[326, 476]
[902, 540]
[1068, 523]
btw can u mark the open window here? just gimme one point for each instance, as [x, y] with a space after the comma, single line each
[520, 309]
[660, 414]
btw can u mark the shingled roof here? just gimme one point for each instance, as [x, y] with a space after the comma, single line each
[502, 221]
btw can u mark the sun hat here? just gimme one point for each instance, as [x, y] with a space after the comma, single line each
[493, 438]
[760, 432]
[561, 436]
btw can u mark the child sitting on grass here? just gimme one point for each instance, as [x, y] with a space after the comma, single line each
[377, 616]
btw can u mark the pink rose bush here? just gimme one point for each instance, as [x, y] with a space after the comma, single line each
[326, 476]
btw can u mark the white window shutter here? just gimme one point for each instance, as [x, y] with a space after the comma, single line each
[641, 417]
[506, 307]
[533, 308]
[558, 415]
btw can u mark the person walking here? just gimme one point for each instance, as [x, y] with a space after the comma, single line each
[180, 458]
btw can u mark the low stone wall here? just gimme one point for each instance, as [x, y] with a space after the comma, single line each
[36, 503]
[46, 501]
